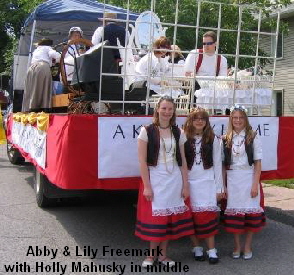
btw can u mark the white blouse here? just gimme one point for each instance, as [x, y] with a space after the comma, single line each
[167, 146]
[46, 54]
[158, 68]
[239, 157]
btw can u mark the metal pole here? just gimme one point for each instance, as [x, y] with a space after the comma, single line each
[31, 43]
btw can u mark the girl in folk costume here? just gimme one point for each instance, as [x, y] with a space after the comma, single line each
[162, 214]
[242, 155]
[203, 155]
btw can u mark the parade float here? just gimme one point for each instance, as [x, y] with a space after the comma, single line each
[89, 140]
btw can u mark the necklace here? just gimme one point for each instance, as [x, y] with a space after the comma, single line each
[164, 146]
[237, 147]
[165, 152]
[198, 158]
[163, 127]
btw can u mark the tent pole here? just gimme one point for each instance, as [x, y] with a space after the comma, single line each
[31, 43]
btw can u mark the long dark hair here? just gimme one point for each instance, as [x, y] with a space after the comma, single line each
[156, 116]
[189, 129]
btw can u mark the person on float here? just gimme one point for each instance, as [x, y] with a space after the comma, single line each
[162, 214]
[242, 154]
[38, 82]
[153, 67]
[203, 155]
[73, 51]
[205, 62]
[176, 55]
[111, 32]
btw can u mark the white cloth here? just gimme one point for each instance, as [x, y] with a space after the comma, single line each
[206, 183]
[239, 157]
[71, 53]
[208, 65]
[150, 65]
[154, 70]
[239, 184]
[240, 178]
[46, 54]
[167, 189]
[170, 148]
[97, 36]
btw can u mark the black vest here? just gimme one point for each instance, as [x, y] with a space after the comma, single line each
[111, 33]
[228, 153]
[153, 145]
[206, 153]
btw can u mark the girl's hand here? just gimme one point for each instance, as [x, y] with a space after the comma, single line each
[185, 192]
[220, 196]
[254, 190]
[148, 193]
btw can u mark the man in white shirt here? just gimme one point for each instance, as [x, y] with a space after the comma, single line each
[204, 62]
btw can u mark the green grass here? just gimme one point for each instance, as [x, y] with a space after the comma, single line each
[288, 183]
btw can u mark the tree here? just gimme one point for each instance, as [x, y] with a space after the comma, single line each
[12, 16]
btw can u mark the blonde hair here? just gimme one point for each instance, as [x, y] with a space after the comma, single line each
[156, 115]
[249, 133]
[177, 50]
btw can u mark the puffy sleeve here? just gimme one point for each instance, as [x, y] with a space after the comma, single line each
[143, 134]
[223, 67]
[217, 164]
[257, 148]
[183, 138]
[142, 68]
[97, 36]
[54, 54]
[190, 62]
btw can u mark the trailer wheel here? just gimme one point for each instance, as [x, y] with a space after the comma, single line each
[40, 186]
[14, 155]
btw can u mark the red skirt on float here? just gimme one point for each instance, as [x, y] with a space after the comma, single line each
[161, 228]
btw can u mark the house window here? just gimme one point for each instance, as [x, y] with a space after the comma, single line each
[277, 103]
[279, 46]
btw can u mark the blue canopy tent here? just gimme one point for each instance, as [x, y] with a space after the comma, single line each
[53, 19]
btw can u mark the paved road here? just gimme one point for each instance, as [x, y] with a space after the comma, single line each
[107, 219]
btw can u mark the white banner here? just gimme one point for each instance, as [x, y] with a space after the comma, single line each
[117, 142]
[31, 140]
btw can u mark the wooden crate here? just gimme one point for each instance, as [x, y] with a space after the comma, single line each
[60, 100]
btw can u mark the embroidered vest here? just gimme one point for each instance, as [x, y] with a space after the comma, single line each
[228, 153]
[206, 150]
[153, 144]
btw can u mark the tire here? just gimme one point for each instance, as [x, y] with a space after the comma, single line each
[40, 186]
[14, 155]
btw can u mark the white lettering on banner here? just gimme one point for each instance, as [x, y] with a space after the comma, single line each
[117, 142]
[31, 140]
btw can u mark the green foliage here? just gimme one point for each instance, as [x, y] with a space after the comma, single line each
[288, 183]
[12, 16]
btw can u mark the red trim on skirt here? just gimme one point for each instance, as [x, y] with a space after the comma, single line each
[239, 224]
[205, 223]
[161, 228]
